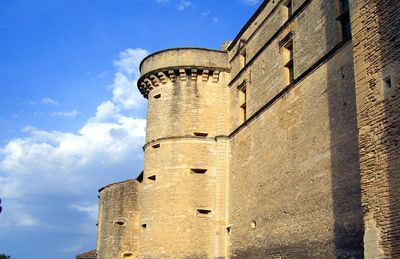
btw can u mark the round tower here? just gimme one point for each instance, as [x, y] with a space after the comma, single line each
[183, 200]
[118, 220]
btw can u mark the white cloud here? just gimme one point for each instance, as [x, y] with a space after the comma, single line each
[162, 1]
[183, 4]
[250, 2]
[45, 165]
[215, 20]
[48, 101]
[90, 209]
[125, 91]
[66, 114]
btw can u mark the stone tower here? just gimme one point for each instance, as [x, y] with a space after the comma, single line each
[183, 200]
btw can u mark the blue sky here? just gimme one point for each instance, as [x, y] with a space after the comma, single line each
[71, 118]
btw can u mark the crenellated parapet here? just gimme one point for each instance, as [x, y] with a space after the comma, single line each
[156, 79]
[183, 64]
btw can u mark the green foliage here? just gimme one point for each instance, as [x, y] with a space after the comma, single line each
[3, 256]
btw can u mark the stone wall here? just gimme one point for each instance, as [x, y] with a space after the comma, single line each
[376, 39]
[118, 225]
[294, 172]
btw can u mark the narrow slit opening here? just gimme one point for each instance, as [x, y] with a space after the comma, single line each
[203, 212]
[200, 134]
[128, 254]
[198, 170]
[152, 178]
[157, 96]
[388, 82]
[155, 146]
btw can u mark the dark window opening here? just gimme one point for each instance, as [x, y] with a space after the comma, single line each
[203, 212]
[243, 104]
[157, 96]
[344, 20]
[200, 134]
[387, 82]
[119, 222]
[156, 146]
[128, 255]
[152, 178]
[198, 170]
[288, 55]
[144, 226]
[228, 230]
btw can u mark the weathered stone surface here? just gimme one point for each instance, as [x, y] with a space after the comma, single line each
[118, 225]
[243, 160]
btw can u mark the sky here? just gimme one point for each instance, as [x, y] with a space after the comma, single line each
[71, 117]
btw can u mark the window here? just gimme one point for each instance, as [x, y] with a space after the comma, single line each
[198, 171]
[287, 57]
[203, 212]
[144, 226]
[242, 103]
[128, 255]
[388, 88]
[156, 146]
[344, 20]
[243, 59]
[200, 134]
[157, 96]
[152, 178]
[287, 10]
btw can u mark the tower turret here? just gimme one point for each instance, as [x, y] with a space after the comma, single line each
[183, 202]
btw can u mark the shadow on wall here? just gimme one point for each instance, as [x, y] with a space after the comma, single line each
[389, 32]
[345, 168]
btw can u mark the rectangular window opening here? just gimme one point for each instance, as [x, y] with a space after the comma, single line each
[128, 255]
[387, 82]
[287, 57]
[229, 230]
[157, 96]
[344, 20]
[287, 10]
[152, 178]
[242, 103]
[198, 170]
[144, 226]
[203, 212]
[119, 223]
[243, 59]
[200, 134]
[156, 146]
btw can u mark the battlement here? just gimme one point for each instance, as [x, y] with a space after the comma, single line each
[181, 64]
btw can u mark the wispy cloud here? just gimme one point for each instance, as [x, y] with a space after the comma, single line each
[49, 101]
[89, 209]
[66, 114]
[184, 4]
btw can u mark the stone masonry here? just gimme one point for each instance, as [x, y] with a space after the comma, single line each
[283, 144]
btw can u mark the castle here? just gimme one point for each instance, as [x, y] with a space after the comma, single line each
[283, 144]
